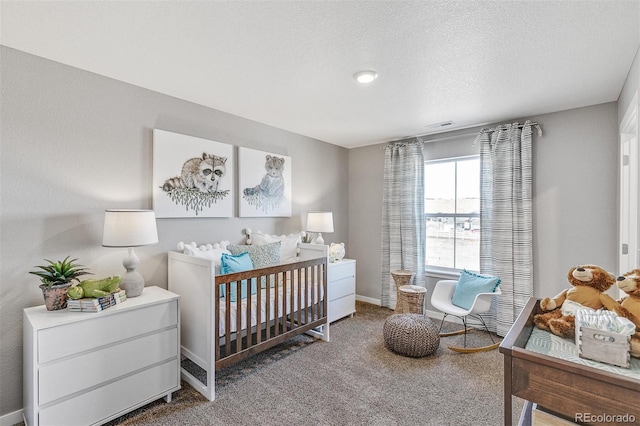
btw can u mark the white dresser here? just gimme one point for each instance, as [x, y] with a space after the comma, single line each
[341, 284]
[85, 368]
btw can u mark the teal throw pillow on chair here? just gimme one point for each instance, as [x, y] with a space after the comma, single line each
[470, 285]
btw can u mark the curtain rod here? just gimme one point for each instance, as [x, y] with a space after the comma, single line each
[520, 126]
[437, 138]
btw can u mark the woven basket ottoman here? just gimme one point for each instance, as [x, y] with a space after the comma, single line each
[411, 335]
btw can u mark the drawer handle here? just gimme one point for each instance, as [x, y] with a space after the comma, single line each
[604, 338]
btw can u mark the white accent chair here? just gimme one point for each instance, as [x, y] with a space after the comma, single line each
[441, 300]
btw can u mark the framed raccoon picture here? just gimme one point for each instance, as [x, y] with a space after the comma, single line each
[265, 184]
[192, 177]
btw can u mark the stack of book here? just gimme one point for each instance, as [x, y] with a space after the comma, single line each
[96, 304]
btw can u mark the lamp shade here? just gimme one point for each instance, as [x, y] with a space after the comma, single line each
[129, 228]
[320, 222]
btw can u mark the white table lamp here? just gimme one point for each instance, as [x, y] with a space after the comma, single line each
[319, 222]
[130, 228]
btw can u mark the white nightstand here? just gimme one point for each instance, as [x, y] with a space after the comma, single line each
[341, 284]
[83, 368]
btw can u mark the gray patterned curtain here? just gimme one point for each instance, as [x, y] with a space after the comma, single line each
[506, 226]
[403, 226]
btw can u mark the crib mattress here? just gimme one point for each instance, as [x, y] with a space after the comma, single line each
[311, 298]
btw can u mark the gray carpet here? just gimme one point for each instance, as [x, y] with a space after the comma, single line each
[352, 380]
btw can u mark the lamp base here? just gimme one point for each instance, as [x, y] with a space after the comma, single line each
[132, 283]
[319, 239]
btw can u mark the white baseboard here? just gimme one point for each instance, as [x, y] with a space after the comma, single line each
[434, 314]
[11, 418]
[368, 300]
[431, 314]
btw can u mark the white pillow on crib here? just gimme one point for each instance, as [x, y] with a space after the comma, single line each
[207, 251]
[288, 247]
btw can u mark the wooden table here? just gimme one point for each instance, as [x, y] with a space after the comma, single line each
[562, 387]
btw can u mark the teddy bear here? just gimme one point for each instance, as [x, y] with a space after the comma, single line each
[336, 252]
[630, 306]
[589, 282]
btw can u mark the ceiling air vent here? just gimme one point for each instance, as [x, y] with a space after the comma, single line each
[440, 125]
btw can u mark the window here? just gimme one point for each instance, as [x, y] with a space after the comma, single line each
[452, 213]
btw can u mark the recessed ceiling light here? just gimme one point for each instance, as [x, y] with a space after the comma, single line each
[366, 76]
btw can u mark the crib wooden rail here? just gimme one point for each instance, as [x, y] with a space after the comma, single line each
[289, 299]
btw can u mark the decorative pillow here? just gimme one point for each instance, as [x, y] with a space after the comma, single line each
[209, 251]
[470, 285]
[261, 256]
[289, 244]
[230, 263]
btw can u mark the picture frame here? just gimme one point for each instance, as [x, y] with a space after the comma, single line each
[192, 177]
[265, 182]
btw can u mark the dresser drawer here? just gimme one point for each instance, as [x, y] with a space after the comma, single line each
[104, 329]
[342, 287]
[341, 269]
[342, 307]
[114, 399]
[74, 374]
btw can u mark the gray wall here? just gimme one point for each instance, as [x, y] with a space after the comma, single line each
[76, 143]
[574, 196]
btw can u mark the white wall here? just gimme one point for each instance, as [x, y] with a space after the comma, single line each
[630, 88]
[630, 93]
[574, 190]
[76, 143]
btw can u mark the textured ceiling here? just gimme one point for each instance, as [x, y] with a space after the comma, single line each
[289, 64]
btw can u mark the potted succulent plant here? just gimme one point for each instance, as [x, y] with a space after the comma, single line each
[56, 278]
